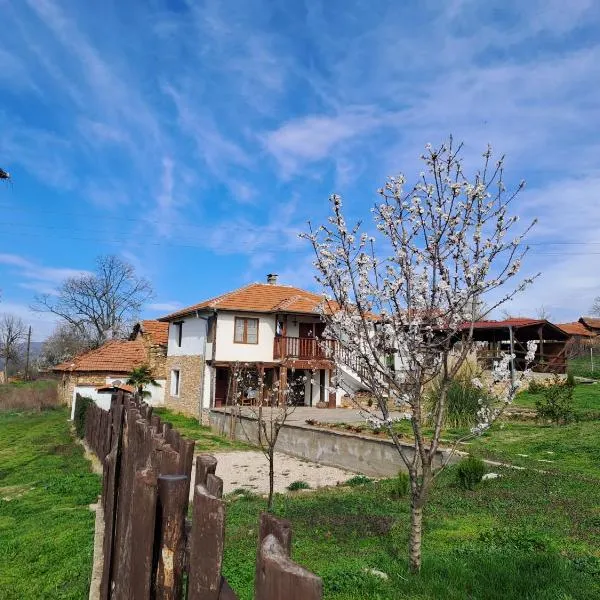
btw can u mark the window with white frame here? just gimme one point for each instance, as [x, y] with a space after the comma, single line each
[175, 382]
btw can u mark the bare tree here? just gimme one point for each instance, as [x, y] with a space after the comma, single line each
[542, 312]
[103, 304]
[596, 306]
[65, 342]
[408, 289]
[270, 405]
[12, 335]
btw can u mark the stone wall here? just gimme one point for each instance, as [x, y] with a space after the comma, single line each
[70, 380]
[191, 369]
[157, 356]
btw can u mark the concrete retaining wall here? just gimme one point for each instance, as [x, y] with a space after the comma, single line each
[358, 453]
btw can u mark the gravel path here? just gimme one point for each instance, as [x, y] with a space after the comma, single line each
[250, 470]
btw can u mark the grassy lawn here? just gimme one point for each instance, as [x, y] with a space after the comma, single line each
[582, 367]
[524, 536]
[46, 527]
[586, 400]
[206, 440]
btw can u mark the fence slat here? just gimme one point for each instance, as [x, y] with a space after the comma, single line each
[173, 492]
[279, 577]
[144, 501]
[207, 544]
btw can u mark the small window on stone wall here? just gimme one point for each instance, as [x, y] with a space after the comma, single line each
[175, 382]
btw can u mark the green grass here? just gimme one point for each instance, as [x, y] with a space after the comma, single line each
[206, 440]
[586, 400]
[582, 367]
[46, 527]
[524, 536]
[38, 384]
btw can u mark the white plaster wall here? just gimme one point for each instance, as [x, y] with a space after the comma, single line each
[227, 350]
[293, 330]
[157, 393]
[316, 377]
[192, 339]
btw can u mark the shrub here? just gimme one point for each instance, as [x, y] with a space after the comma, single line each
[463, 400]
[81, 406]
[400, 485]
[358, 480]
[556, 404]
[535, 387]
[570, 380]
[470, 472]
[298, 485]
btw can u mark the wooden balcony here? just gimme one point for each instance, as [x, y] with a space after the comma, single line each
[303, 348]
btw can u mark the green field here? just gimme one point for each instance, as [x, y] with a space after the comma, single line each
[525, 535]
[206, 440]
[46, 527]
[582, 367]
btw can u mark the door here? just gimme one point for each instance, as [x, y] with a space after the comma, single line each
[221, 379]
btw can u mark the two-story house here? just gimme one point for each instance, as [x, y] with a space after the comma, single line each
[275, 326]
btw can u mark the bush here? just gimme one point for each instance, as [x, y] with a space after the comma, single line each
[470, 472]
[463, 400]
[535, 387]
[401, 485]
[81, 406]
[556, 404]
[570, 380]
[298, 485]
[358, 480]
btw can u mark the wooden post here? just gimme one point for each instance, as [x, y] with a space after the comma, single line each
[205, 464]
[282, 384]
[172, 498]
[207, 545]
[279, 577]
[144, 502]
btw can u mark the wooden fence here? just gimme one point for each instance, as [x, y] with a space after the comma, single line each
[152, 551]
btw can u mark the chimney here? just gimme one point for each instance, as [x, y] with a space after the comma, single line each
[272, 278]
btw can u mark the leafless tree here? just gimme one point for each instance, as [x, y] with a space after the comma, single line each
[542, 312]
[103, 304]
[65, 342]
[12, 335]
[270, 405]
[596, 306]
[407, 287]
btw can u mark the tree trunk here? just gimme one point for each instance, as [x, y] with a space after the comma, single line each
[416, 530]
[271, 481]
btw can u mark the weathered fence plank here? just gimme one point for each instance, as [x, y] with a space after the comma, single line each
[173, 491]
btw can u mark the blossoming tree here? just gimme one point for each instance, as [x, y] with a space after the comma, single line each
[406, 294]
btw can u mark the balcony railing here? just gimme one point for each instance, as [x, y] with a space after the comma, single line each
[303, 348]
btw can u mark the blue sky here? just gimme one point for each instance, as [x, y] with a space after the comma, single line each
[197, 138]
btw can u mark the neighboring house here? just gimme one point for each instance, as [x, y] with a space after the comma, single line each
[577, 331]
[274, 326]
[98, 373]
[592, 324]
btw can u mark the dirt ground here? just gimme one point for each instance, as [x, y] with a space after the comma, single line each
[250, 470]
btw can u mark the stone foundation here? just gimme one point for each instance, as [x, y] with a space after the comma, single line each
[191, 370]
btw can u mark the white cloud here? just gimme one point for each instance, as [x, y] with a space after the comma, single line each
[41, 324]
[163, 307]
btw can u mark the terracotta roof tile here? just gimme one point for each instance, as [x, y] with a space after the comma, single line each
[591, 322]
[259, 297]
[575, 328]
[116, 356]
[157, 331]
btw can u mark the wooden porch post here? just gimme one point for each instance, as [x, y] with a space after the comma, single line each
[282, 384]
[331, 391]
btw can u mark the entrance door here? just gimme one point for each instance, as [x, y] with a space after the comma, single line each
[221, 379]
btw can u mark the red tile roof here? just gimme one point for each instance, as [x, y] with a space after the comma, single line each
[576, 328]
[156, 330]
[115, 356]
[259, 297]
[513, 322]
[591, 322]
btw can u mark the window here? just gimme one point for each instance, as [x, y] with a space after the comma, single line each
[246, 331]
[178, 332]
[175, 382]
